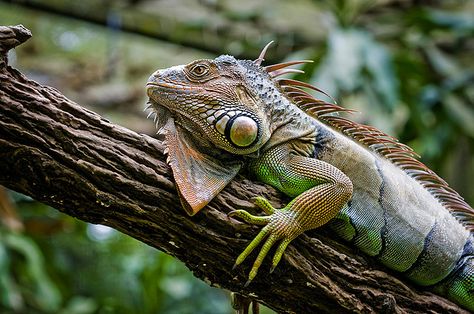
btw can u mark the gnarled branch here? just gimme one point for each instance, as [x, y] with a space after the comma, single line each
[76, 161]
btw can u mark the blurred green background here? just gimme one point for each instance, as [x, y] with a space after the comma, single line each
[408, 68]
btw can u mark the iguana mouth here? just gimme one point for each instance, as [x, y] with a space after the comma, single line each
[166, 87]
[159, 113]
[149, 88]
[152, 86]
[157, 92]
[163, 95]
[162, 115]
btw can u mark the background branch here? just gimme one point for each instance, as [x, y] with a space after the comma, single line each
[76, 161]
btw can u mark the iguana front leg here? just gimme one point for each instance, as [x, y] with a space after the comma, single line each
[320, 190]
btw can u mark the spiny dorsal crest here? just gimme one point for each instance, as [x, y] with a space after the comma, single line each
[399, 154]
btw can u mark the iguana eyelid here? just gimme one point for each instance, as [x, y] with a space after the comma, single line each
[196, 72]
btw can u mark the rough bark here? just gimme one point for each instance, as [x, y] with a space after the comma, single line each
[76, 161]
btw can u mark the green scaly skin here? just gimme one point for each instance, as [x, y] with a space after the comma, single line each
[219, 115]
[320, 191]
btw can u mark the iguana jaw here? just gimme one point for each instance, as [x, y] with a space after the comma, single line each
[198, 174]
[216, 103]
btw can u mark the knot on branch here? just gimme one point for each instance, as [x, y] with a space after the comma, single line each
[10, 37]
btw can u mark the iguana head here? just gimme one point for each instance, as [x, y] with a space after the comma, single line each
[213, 98]
[212, 110]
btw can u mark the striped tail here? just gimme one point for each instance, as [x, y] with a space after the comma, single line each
[459, 286]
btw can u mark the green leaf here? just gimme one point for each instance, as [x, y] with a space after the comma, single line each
[10, 296]
[80, 305]
[459, 21]
[47, 296]
[353, 60]
[343, 62]
[461, 113]
[379, 65]
[441, 62]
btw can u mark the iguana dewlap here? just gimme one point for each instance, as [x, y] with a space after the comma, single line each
[223, 114]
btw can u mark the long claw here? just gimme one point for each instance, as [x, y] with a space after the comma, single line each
[261, 256]
[255, 242]
[264, 205]
[249, 218]
[274, 229]
[279, 253]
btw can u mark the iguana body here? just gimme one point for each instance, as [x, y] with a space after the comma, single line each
[218, 115]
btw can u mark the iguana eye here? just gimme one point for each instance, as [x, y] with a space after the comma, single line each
[200, 69]
[242, 131]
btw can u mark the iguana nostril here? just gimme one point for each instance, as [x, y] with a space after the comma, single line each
[154, 76]
[151, 83]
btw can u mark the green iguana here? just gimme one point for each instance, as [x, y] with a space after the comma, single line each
[220, 115]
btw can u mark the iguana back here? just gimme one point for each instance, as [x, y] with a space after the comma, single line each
[392, 217]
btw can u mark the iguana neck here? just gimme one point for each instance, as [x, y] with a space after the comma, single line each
[288, 123]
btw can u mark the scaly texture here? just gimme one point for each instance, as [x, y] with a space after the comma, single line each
[368, 187]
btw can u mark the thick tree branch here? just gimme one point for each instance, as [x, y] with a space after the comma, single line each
[72, 159]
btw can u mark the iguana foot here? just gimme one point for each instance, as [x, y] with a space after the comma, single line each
[280, 225]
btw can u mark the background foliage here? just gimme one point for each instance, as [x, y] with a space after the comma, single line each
[408, 69]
